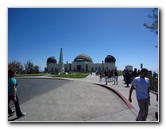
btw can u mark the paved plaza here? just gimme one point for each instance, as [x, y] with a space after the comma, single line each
[78, 100]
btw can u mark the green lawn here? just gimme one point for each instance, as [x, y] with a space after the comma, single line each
[120, 73]
[27, 75]
[72, 75]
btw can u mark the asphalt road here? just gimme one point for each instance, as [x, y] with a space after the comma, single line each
[63, 100]
[30, 88]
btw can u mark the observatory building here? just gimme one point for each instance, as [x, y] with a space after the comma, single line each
[81, 63]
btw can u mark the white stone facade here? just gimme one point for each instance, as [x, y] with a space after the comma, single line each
[129, 67]
[82, 63]
[81, 66]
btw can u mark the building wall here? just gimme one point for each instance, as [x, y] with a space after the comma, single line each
[109, 66]
[51, 67]
[81, 66]
[103, 66]
[129, 67]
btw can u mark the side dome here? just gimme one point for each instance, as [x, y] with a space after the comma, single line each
[83, 58]
[51, 60]
[110, 59]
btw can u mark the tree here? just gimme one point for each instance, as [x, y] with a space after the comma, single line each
[36, 68]
[16, 65]
[30, 68]
[154, 26]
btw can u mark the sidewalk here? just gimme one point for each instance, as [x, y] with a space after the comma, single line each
[124, 92]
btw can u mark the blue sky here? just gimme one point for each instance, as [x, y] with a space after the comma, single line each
[37, 33]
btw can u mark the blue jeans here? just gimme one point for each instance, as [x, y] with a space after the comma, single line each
[16, 103]
[106, 79]
[143, 112]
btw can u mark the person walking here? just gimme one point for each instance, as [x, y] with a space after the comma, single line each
[100, 76]
[134, 73]
[128, 78]
[115, 77]
[106, 76]
[142, 86]
[12, 94]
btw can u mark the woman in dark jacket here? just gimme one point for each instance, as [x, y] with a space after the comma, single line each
[128, 78]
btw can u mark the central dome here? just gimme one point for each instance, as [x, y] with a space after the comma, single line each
[83, 58]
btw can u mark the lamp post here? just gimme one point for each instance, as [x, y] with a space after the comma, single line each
[102, 65]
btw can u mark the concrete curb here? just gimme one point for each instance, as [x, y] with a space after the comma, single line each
[44, 78]
[117, 93]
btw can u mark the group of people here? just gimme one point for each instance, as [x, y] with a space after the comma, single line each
[129, 75]
[141, 84]
[109, 75]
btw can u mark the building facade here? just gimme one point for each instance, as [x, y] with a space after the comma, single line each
[81, 63]
[129, 67]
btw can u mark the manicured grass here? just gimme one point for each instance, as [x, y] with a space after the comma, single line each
[120, 73]
[27, 75]
[72, 75]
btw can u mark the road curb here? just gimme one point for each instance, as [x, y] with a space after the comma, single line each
[118, 93]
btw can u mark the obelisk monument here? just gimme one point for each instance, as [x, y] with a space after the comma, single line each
[61, 64]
